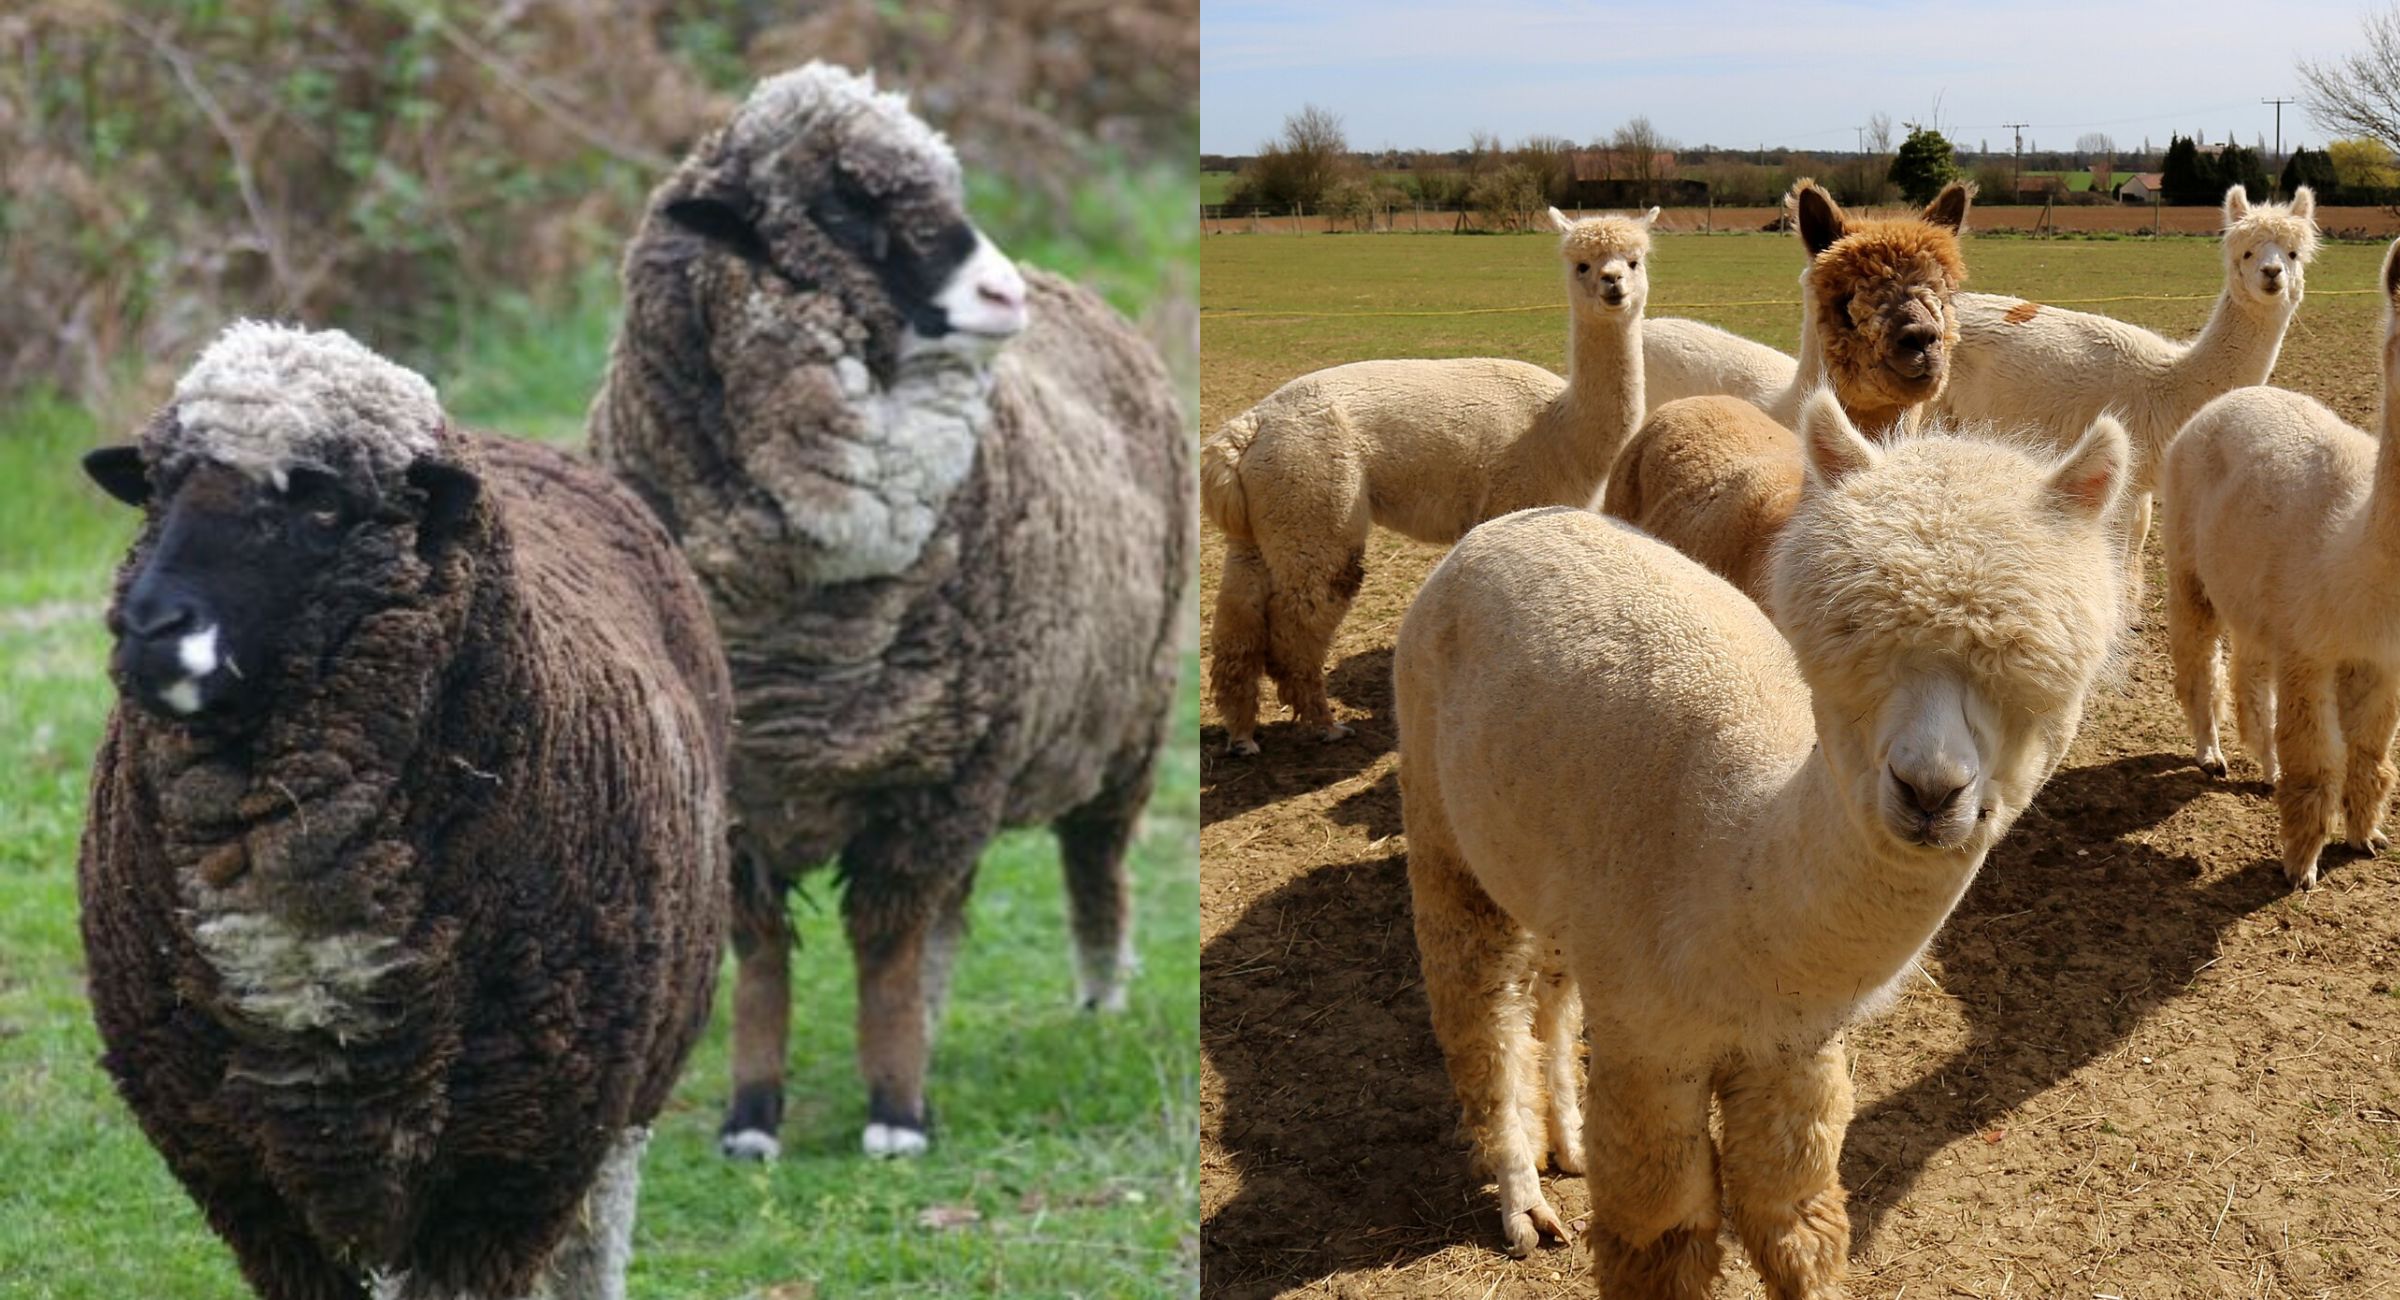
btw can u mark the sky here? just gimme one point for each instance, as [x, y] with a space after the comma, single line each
[1801, 74]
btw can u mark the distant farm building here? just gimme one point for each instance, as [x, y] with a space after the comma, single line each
[2145, 187]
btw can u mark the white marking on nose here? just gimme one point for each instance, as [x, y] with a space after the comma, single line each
[986, 295]
[183, 696]
[198, 652]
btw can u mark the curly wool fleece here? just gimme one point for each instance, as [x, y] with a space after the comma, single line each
[266, 398]
[788, 105]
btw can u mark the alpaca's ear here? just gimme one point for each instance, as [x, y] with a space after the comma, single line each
[2390, 279]
[2088, 480]
[1949, 208]
[2237, 204]
[1821, 219]
[2304, 203]
[1559, 222]
[1650, 217]
[1834, 446]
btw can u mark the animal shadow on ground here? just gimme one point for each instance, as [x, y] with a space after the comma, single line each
[2072, 934]
[1294, 762]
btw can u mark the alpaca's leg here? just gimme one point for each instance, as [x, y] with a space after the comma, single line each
[2254, 706]
[1784, 1121]
[2370, 712]
[1310, 590]
[1653, 1178]
[2137, 536]
[2304, 745]
[2193, 634]
[1238, 640]
[1558, 1029]
[1473, 956]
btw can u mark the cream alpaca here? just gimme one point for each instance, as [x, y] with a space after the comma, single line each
[2283, 537]
[2020, 363]
[1688, 358]
[1737, 843]
[1425, 448]
[1716, 477]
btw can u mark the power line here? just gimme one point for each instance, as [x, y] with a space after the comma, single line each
[2016, 173]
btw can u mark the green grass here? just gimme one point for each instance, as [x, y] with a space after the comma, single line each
[1213, 186]
[1073, 1139]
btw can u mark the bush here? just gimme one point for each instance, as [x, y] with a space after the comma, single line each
[1926, 162]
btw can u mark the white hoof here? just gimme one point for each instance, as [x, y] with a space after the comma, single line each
[1243, 748]
[893, 1140]
[749, 1144]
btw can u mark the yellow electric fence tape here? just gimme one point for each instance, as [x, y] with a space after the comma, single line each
[1655, 308]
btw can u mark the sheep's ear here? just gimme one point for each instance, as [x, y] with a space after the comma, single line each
[2304, 203]
[450, 493]
[1821, 219]
[1650, 218]
[720, 222]
[2237, 204]
[1834, 446]
[2088, 480]
[1949, 208]
[120, 473]
[1559, 222]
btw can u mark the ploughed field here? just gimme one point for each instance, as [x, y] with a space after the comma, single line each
[2133, 1065]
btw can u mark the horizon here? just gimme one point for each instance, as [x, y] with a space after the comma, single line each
[1395, 73]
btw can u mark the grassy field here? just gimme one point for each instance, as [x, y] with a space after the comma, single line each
[1065, 1164]
[2135, 1064]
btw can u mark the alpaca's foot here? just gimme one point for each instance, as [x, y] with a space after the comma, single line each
[1529, 1224]
[1335, 731]
[2212, 761]
[2372, 844]
[1566, 1146]
[1242, 747]
[2300, 869]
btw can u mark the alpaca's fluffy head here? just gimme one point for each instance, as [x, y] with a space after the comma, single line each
[2268, 247]
[1607, 259]
[1950, 600]
[295, 481]
[1879, 296]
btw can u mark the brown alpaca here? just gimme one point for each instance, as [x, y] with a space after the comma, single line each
[1425, 448]
[1716, 477]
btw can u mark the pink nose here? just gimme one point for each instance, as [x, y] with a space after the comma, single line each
[1001, 293]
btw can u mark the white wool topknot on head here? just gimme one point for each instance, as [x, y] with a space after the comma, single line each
[264, 398]
[785, 105]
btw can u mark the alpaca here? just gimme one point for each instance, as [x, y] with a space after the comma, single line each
[2283, 537]
[1688, 358]
[1716, 477]
[2021, 363]
[1733, 842]
[1425, 448]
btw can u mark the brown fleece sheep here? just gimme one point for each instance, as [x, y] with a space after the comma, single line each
[947, 549]
[404, 881]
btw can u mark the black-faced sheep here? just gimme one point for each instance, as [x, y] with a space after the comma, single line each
[944, 514]
[404, 882]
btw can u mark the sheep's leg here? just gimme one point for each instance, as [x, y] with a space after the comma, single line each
[1238, 645]
[2193, 636]
[591, 1260]
[1473, 957]
[1653, 1177]
[2304, 744]
[939, 956]
[1092, 843]
[2254, 707]
[1558, 1028]
[1784, 1121]
[897, 892]
[762, 1014]
[2370, 713]
[1312, 591]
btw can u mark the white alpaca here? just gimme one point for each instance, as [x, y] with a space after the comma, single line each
[1736, 842]
[1689, 358]
[2023, 364]
[1425, 448]
[2283, 536]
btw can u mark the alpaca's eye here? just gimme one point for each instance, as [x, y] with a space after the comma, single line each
[2246, 255]
[1634, 265]
[1583, 268]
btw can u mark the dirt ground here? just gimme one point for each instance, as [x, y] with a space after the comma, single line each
[2347, 223]
[2134, 1065]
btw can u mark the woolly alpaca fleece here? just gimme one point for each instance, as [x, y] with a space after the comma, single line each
[1733, 841]
[264, 398]
[392, 976]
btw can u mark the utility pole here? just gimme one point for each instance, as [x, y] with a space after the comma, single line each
[2278, 103]
[2016, 175]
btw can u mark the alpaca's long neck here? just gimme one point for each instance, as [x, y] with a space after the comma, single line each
[2383, 507]
[2236, 349]
[1566, 455]
[1829, 914]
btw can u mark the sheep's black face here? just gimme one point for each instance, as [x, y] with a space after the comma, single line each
[238, 576]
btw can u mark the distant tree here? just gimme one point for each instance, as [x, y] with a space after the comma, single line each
[1926, 162]
[1638, 145]
[2188, 175]
[1303, 166]
[2095, 142]
[2313, 168]
[2359, 94]
[2243, 167]
[2361, 164]
[1506, 196]
[1551, 159]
